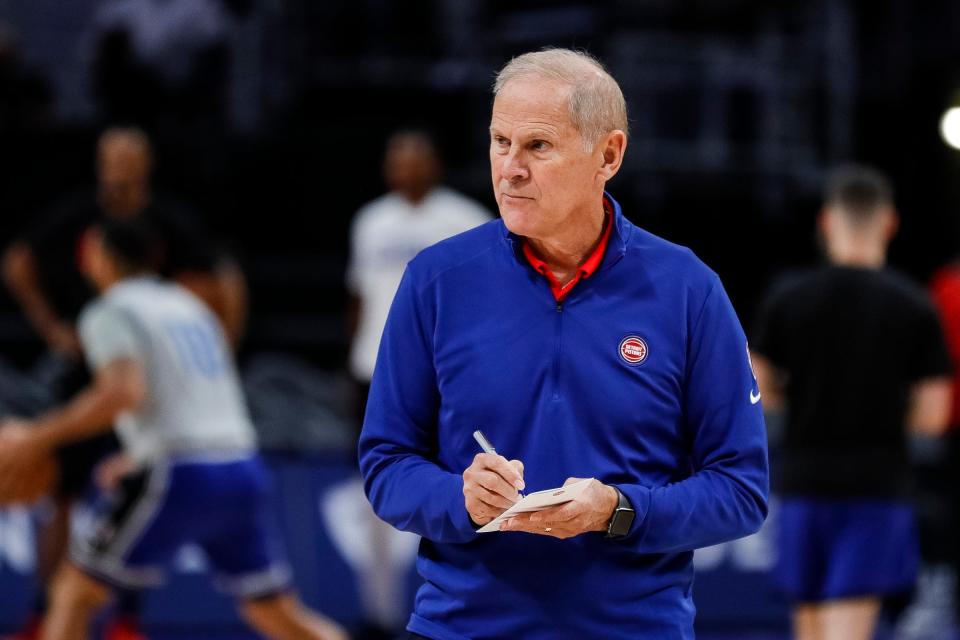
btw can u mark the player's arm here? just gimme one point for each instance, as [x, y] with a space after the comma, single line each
[20, 275]
[771, 381]
[118, 386]
[224, 290]
[930, 405]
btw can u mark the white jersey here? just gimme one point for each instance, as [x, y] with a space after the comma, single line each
[193, 403]
[387, 233]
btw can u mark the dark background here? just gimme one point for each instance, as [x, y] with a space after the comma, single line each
[737, 109]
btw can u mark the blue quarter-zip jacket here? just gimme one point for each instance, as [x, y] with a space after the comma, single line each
[475, 340]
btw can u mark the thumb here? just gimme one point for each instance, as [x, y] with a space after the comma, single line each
[571, 481]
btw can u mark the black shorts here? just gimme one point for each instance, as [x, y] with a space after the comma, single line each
[78, 460]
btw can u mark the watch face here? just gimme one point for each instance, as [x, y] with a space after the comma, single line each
[622, 520]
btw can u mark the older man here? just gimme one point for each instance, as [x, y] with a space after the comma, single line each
[582, 346]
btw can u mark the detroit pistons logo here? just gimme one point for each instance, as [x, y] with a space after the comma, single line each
[633, 350]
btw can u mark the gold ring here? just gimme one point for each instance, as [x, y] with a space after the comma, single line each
[548, 529]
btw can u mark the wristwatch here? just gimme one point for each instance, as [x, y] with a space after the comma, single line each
[622, 518]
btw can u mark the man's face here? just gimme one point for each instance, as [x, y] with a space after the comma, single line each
[123, 177]
[410, 166]
[541, 173]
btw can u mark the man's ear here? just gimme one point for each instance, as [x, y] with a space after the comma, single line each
[891, 223]
[612, 147]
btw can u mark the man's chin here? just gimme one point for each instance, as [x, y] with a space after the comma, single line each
[517, 222]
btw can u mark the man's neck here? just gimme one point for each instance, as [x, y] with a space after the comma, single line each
[415, 196]
[564, 254]
[864, 255]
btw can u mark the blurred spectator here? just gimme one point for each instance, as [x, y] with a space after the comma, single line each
[41, 267]
[389, 231]
[162, 61]
[856, 352]
[42, 272]
[386, 234]
[24, 97]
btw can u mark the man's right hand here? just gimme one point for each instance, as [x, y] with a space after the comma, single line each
[491, 485]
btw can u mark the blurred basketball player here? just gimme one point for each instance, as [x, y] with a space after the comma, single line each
[164, 375]
[857, 353]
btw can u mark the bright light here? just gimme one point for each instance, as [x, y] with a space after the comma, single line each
[950, 127]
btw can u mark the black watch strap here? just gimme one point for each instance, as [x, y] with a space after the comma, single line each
[622, 518]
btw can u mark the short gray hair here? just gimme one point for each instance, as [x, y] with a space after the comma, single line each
[597, 106]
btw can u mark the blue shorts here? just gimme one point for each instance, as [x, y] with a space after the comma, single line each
[222, 506]
[833, 549]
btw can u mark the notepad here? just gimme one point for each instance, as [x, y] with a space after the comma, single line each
[537, 502]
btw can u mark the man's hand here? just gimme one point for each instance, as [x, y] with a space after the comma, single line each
[490, 486]
[590, 511]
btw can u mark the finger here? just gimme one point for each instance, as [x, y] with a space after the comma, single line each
[502, 467]
[550, 514]
[479, 516]
[571, 481]
[549, 530]
[483, 494]
[495, 483]
[482, 511]
[567, 512]
[516, 464]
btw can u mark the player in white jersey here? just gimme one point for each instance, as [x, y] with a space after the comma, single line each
[165, 377]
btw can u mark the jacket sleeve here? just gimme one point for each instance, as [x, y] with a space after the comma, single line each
[398, 444]
[725, 495]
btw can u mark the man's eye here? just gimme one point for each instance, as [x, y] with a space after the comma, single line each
[501, 141]
[539, 145]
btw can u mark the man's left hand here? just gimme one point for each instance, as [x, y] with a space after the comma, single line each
[590, 511]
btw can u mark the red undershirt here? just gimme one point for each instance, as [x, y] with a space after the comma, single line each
[590, 265]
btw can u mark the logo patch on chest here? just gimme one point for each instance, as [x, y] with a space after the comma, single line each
[633, 350]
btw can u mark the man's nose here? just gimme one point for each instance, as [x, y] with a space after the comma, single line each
[514, 169]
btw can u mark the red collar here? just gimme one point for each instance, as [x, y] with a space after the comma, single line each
[587, 269]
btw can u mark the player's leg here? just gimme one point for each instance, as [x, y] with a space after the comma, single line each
[125, 547]
[800, 569]
[75, 464]
[245, 547]
[283, 617]
[807, 622]
[74, 598]
[853, 619]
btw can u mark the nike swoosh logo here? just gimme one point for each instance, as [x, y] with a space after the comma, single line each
[754, 399]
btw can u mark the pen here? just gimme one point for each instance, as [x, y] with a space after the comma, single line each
[486, 445]
[483, 442]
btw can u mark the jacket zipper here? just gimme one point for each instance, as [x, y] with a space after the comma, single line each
[558, 351]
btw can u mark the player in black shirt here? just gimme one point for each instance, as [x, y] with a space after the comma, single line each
[856, 353]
